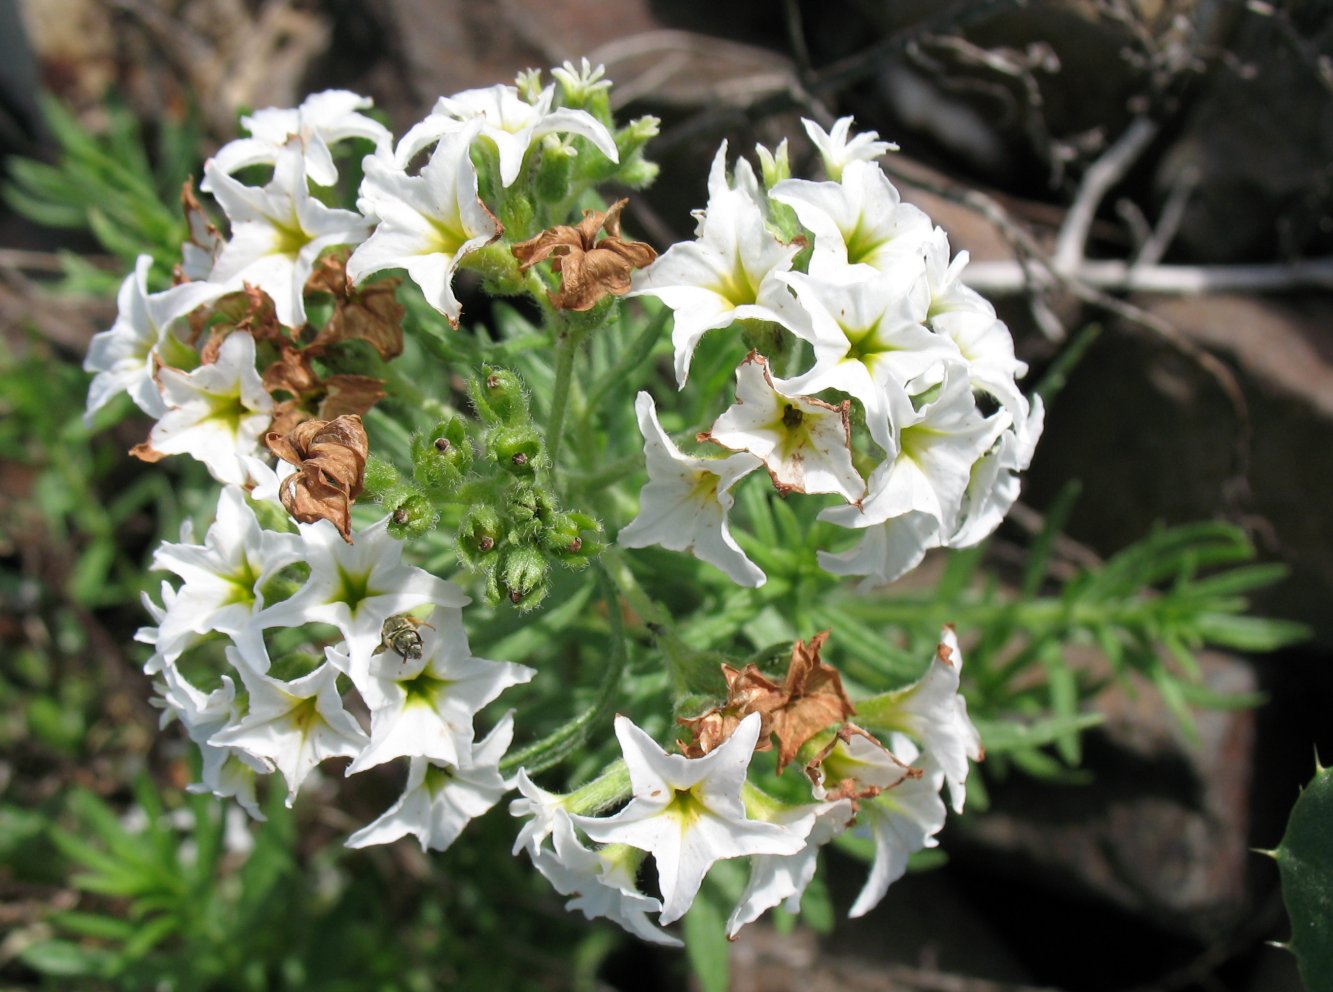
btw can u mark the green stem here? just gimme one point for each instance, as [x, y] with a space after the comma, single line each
[566, 347]
[555, 746]
[630, 359]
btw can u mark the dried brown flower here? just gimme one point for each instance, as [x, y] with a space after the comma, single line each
[330, 456]
[589, 268]
[807, 701]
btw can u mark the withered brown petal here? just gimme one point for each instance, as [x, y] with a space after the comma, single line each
[291, 372]
[373, 315]
[350, 394]
[539, 248]
[331, 461]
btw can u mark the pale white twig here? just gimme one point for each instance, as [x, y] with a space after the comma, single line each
[1105, 172]
[1006, 278]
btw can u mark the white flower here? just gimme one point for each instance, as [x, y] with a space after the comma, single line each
[937, 445]
[295, 725]
[356, 587]
[544, 808]
[858, 221]
[932, 712]
[869, 341]
[778, 878]
[886, 550]
[901, 822]
[836, 150]
[323, 119]
[508, 121]
[730, 273]
[223, 577]
[968, 320]
[579, 83]
[684, 504]
[427, 222]
[440, 800]
[225, 771]
[805, 442]
[277, 233]
[216, 413]
[858, 764]
[993, 486]
[147, 325]
[424, 707]
[602, 886]
[687, 812]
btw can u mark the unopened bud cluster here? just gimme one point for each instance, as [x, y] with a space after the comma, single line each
[495, 469]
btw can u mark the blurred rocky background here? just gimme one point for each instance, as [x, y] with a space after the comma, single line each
[1156, 170]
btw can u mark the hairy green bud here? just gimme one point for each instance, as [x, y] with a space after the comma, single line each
[532, 509]
[380, 477]
[520, 451]
[504, 394]
[524, 575]
[571, 538]
[479, 537]
[442, 456]
[411, 513]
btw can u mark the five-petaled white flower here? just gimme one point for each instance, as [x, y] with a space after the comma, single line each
[424, 707]
[934, 713]
[602, 885]
[224, 771]
[730, 273]
[439, 800]
[428, 222]
[804, 442]
[688, 813]
[506, 120]
[858, 221]
[293, 726]
[356, 587]
[216, 413]
[277, 233]
[869, 342]
[684, 504]
[323, 119]
[223, 579]
[144, 336]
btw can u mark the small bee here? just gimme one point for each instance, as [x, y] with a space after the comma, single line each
[401, 634]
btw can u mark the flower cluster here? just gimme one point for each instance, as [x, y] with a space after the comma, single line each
[843, 271]
[693, 809]
[300, 629]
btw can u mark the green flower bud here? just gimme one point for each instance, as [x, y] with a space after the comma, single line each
[380, 477]
[411, 513]
[531, 509]
[555, 169]
[637, 172]
[634, 135]
[516, 213]
[520, 451]
[524, 575]
[571, 539]
[504, 394]
[775, 165]
[479, 537]
[442, 456]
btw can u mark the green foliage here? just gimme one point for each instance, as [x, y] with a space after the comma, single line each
[1305, 860]
[110, 184]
